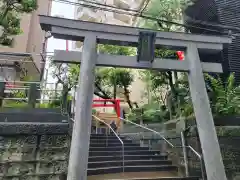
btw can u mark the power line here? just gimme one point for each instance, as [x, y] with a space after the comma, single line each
[93, 4]
[134, 13]
[145, 6]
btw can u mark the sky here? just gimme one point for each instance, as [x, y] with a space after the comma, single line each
[66, 11]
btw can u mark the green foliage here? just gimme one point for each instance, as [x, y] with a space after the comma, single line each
[120, 77]
[10, 13]
[225, 98]
[14, 104]
[107, 80]
[116, 50]
[168, 10]
[149, 114]
[165, 87]
[94, 111]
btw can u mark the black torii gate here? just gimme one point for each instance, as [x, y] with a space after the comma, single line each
[93, 33]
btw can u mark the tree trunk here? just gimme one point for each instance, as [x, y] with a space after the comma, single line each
[4, 14]
[169, 105]
[173, 92]
[126, 93]
[114, 91]
[170, 79]
[175, 76]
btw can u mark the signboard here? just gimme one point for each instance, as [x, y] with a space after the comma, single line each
[146, 46]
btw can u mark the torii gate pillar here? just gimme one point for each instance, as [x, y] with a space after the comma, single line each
[78, 160]
[111, 34]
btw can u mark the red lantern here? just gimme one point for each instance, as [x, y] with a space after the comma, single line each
[180, 55]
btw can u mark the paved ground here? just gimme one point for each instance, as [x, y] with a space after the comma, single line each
[135, 175]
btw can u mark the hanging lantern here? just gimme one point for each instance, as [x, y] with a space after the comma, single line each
[180, 55]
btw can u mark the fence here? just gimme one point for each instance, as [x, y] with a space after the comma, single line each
[228, 137]
[31, 94]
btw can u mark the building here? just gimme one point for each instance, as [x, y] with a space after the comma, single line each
[100, 16]
[95, 15]
[26, 47]
[226, 13]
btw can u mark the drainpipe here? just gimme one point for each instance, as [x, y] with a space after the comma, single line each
[43, 64]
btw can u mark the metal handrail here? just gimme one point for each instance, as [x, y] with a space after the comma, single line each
[139, 125]
[115, 135]
[172, 146]
[201, 160]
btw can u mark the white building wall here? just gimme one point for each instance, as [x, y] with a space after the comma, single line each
[87, 14]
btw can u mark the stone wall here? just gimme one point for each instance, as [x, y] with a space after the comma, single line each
[33, 151]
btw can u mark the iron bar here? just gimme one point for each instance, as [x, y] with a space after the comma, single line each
[172, 146]
[185, 154]
[116, 136]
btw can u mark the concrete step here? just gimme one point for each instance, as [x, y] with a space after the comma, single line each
[126, 157]
[113, 144]
[113, 163]
[119, 169]
[117, 148]
[132, 152]
[103, 141]
[104, 136]
[162, 175]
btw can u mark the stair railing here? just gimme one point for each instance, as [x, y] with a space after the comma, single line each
[200, 157]
[123, 159]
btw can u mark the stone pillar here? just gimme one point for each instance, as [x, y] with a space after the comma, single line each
[78, 159]
[204, 119]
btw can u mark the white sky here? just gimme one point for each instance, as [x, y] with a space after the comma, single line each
[67, 11]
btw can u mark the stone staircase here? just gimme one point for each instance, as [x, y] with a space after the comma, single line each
[106, 161]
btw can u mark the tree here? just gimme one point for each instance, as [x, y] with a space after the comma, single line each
[10, 13]
[107, 80]
[168, 10]
[118, 77]
[113, 78]
[165, 84]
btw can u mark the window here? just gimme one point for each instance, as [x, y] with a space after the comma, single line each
[121, 4]
[121, 17]
[79, 9]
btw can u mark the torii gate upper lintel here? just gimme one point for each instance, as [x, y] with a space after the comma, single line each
[93, 33]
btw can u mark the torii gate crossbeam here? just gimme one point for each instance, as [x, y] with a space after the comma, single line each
[93, 33]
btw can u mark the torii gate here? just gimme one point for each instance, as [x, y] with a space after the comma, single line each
[93, 33]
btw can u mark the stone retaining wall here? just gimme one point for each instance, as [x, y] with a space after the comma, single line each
[33, 151]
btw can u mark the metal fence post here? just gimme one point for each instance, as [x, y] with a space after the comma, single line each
[32, 95]
[2, 94]
[185, 154]
[64, 97]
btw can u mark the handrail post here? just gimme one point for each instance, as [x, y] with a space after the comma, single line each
[172, 146]
[202, 168]
[107, 138]
[123, 153]
[110, 128]
[185, 154]
[2, 94]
